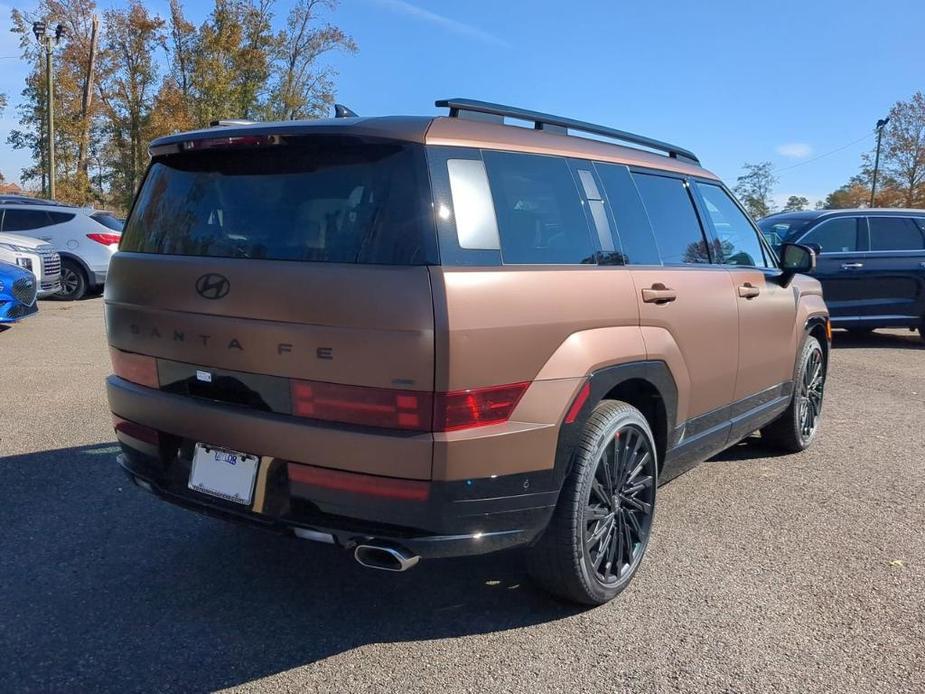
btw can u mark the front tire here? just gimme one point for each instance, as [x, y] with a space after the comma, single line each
[601, 526]
[74, 282]
[796, 428]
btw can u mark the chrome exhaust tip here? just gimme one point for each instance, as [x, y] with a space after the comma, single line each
[385, 557]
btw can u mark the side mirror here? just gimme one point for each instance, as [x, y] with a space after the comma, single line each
[795, 259]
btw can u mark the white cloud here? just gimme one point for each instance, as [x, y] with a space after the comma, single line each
[795, 150]
[461, 28]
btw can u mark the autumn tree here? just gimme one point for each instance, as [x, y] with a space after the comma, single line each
[902, 159]
[796, 203]
[304, 88]
[755, 187]
[128, 90]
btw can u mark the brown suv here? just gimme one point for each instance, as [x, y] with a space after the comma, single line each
[435, 336]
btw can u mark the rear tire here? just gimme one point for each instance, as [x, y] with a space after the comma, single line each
[74, 282]
[796, 428]
[600, 528]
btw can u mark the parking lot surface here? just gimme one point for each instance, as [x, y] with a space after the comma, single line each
[765, 573]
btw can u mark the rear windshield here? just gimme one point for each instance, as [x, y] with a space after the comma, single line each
[108, 221]
[336, 200]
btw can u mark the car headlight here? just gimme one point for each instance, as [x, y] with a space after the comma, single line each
[17, 249]
[25, 263]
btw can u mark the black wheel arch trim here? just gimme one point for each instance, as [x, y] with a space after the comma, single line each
[602, 381]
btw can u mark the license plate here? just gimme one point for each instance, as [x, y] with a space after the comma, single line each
[226, 474]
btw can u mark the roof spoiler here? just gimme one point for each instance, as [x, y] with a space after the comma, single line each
[484, 110]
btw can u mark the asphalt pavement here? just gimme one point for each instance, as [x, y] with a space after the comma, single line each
[765, 573]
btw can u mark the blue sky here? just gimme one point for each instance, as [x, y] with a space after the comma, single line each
[733, 81]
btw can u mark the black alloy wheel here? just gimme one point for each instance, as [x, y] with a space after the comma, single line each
[620, 505]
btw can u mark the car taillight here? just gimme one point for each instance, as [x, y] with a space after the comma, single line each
[405, 409]
[378, 407]
[105, 239]
[137, 368]
[464, 409]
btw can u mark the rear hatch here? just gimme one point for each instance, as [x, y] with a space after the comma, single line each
[264, 276]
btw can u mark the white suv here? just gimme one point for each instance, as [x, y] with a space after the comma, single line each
[85, 238]
[37, 257]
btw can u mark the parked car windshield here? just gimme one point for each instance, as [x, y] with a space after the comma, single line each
[780, 230]
[333, 200]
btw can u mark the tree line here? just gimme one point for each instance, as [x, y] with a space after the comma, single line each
[129, 75]
[900, 179]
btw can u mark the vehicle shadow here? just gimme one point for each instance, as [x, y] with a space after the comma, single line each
[841, 339]
[107, 588]
[750, 448]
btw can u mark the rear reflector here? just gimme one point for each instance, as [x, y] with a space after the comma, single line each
[464, 409]
[580, 401]
[106, 239]
[372, 485]
[377, 407]
[135, 430]
[137, 368]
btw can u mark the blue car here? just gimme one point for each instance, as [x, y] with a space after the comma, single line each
[17, 293]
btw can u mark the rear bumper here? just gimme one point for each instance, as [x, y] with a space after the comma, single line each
[440, 519]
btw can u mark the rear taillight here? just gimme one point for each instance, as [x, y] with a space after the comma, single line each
[137, 368]
[105, 239]
[378, 407]
[136, 431]
[464, 409]
[405, 409]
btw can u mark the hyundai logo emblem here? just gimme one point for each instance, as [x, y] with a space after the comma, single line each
[213, 286]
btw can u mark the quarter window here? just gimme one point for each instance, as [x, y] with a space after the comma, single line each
[895, 234]
[539, 211]
[678, 233]
[839, 235]
[738, 242]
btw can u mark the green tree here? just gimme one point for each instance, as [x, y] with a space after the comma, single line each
[304, 88]
[130, 42]
[796, 203]
[755, 188]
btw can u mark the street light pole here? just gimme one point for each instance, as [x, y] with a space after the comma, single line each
[873, 188]
[48, 42]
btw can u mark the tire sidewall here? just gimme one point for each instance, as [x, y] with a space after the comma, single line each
[585, 468]
[809, 344]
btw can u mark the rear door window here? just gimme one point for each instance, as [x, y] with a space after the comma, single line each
[633, 227]
[336, 200]
[671, 211]
[538, 209]
[738, 240]
[839, 235]
[895, 234]
[24, 220]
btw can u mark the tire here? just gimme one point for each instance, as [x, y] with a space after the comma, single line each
[796, 428]
[74, 283]
[597, 536]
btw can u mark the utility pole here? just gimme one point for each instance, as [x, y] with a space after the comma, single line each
[873, 188]
[48, 42]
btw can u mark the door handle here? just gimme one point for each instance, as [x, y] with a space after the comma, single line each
[748, 291]
[658, 294]
[852, 266]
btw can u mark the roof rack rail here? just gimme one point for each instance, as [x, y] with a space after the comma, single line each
[471, 108]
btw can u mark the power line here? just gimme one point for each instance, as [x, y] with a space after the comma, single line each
[822, 156]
